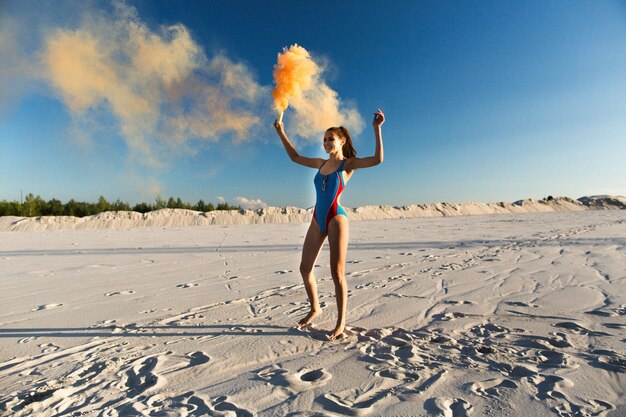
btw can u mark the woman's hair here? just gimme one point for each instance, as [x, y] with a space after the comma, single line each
[348, 148]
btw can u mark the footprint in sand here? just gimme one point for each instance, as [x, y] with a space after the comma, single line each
[126, 328]
[245, 329]
[104, 323]
[355, 401]
[48, 347]
[111, 294]
[577, 328]
[553, 359]
[449, 316]
[489, 329]
[143, 374]
[46, 307]
[452, 266]
[222, 404]
[607, 359]
[283, 272]
[520, 304]
[591, 408]
[187, 285]
[612, 312]
[493, 387]
[450, 407]
[197, 358]
[396, 374]
[559, 340]
[401, 277]
[454, 302]
[371, 285]
[548, 386]
[315, 377]
[303, 380]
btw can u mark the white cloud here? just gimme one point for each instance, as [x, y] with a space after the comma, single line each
[250, 204]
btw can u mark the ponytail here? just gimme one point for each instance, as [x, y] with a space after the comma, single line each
[347, 149]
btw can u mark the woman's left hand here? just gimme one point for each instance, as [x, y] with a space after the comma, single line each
[379, 118]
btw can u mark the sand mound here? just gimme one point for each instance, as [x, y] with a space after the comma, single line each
[184, 218]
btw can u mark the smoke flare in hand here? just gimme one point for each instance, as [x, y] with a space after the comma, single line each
[299, 84]
[293, 73]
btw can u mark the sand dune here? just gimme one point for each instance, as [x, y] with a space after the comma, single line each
[515, 314]
[274, 215]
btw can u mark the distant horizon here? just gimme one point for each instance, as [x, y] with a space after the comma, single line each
[254, 206]
[484, 102]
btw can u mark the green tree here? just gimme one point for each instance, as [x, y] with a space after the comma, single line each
[78, 209]
[120, 206]
[10, 208]
[103, 205]
[226, 206]
[159, 203]
[143, 208]
[54, 207]
[36, 206]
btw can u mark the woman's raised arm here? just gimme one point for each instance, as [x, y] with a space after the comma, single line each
[370, 161]
[291, 151]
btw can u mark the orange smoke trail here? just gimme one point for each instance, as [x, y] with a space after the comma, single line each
[293, 73]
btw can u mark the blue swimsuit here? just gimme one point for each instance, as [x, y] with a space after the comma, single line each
[328, 188]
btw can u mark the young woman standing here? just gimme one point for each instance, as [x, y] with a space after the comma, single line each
[330, 219]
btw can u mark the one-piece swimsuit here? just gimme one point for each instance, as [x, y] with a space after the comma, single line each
[328, 188]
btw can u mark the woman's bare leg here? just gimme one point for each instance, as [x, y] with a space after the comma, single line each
[311, 249]
[338, 231]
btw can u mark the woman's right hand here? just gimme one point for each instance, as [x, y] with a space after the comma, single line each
[279, 126]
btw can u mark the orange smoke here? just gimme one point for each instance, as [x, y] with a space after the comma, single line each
[294, 73]
[300, 84]
[159, 86]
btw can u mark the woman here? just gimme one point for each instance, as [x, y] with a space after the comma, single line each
[329, 218]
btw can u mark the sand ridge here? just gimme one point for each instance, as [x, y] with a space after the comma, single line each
[278, 215]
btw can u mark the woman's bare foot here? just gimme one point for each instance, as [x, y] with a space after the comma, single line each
[337, 333]
[309, 318]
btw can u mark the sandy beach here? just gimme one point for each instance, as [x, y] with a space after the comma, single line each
[520, 314]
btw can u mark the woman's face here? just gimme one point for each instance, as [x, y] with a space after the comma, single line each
[332, 143]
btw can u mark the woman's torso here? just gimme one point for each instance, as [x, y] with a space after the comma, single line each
[330, 181]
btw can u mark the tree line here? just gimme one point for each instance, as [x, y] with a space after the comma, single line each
[34, 206]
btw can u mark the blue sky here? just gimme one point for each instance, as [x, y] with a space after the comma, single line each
[485, 101]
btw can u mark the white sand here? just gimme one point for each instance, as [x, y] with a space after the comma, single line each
[507, 315]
